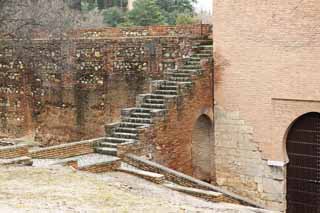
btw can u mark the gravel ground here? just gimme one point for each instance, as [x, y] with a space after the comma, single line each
[60, 189]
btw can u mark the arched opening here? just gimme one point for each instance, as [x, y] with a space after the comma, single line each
[202, 149]
[303, 170]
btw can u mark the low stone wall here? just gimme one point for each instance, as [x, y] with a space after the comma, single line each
[66, 90]
[185, 180]
[102, 167]
[204, 194]
[66, 150]
[8, 152]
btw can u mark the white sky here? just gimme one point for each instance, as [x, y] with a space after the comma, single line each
[204, 4]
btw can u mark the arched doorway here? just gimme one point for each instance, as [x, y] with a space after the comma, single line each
[202, 149]
[303, 171]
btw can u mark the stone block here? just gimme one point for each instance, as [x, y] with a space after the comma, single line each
[277, 173]
[273, 186]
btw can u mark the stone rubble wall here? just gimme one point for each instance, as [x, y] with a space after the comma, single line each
[65, 90]
[146, 31]
[65, 150]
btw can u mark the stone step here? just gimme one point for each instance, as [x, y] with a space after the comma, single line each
[137, 120]
[195, 62]
[180, 79]
[154, 106]
[203, 55]
[209, 51]
[169, 83]
[180, 74]
[150, 176]
[166, 92]
[204, 42]
[190, 71]
[168, 87]
[118, 140]
[124, 135]
[161, 96]
[128, 130]
[205, 194]
[194, 58]
[206, 47]
[154, 101]
[131, 125]
[107, 151]
[109, 145]
[140, 115]
[141, 110]
[181, 82]
[191, 67]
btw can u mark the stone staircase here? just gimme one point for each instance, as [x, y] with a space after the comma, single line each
[155, 104]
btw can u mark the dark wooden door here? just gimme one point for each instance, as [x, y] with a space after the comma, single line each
[303, 172]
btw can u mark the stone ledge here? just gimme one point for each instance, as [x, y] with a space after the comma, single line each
[5, 148]
[66, 145]
[185, 180]
[15, 151]
[205, 194]
[100, 167]
[66, 150]
[150, 176]
[27, 161]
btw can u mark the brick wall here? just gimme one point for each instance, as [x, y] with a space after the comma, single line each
[169, 141]
[66, 90]
[7, 152]
[65, 150]
[102, 167]
[266, 75]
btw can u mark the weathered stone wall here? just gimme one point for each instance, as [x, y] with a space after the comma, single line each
[170, 139]
[66, 90]
[202, 149]
[266, 75]
[65, 150]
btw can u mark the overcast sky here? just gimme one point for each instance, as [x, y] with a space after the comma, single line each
[204, 4]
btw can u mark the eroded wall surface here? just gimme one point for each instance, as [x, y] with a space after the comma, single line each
[66, 89]
[266, 75]
[170, 140]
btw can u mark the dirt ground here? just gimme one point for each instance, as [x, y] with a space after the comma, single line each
[61, 189]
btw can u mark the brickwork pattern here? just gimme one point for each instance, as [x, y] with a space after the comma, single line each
[65, 150]
[266, 75]
[171, 139]
[66, 90]
[102, 167]
[8, 152]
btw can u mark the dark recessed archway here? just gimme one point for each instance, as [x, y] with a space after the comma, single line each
[202, 149]
[303, 170]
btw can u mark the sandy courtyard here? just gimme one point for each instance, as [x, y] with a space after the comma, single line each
[60, 189]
